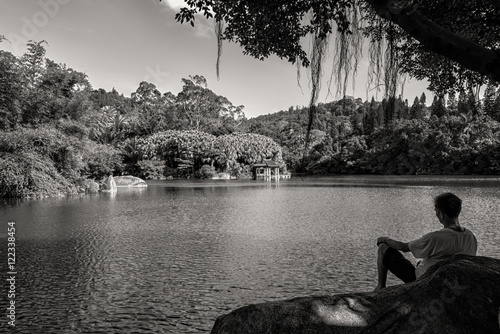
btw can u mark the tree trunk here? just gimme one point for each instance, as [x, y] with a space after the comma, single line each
[441, 41]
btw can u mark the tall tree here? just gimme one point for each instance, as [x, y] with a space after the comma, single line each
[150, 108]
[473, 102]
[452, 103]
[423, 99]
[34, 104]
[438, 107]
[415, 109]
[381, 115]
[33, 63]
[405, 111]
[463, 107]
[195, 100]
[373, 113]
[202, 107]
[358, 120]
[61, 86]
[38, 90]
[108, 126]
[10, 91]
[490, 105]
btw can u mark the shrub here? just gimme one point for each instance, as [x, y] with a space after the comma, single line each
[205, 172]
[13, 180]
[62, 150]
[87, 186]
[73, 128]
[31, 175]
[59, 161]
[151, 169]
[100, 160]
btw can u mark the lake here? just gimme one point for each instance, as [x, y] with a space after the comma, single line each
[172, 257]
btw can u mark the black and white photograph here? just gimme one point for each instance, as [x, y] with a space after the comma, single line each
[249, 166]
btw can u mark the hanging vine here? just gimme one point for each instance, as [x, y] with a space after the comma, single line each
[440, 40]
[219, 29]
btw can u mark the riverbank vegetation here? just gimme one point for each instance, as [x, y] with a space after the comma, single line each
[59, 135]
[457, 135]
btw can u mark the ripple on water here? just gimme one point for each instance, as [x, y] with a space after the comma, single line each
[170, 260]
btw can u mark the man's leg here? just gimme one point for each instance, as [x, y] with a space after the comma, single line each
[389, 259]
[381, 269]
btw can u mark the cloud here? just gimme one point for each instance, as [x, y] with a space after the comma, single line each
[203, 28]
[174, 4]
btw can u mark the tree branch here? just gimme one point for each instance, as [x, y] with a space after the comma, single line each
[440, 40]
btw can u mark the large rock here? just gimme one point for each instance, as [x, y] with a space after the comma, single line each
[221, 176]
[88, 186]
[459, 295]
[109, 184]
[129, 181]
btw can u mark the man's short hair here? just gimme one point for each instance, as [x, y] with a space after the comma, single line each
[449, 204]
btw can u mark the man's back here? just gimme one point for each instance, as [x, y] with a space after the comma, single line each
[440, 245]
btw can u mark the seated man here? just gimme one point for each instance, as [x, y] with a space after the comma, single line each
[432, 247]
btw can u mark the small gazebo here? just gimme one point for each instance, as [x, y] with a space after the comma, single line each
[267, 169]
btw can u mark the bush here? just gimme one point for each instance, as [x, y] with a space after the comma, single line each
[72, 157]
[13, 180]
[73, 128]
[60, 161]
[240, 170]
[62, 150]
[31, 175]
[151, 169]
[205, 172]
[100, 160]
[87, 186]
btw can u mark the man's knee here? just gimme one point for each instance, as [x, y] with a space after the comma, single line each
[382, 248]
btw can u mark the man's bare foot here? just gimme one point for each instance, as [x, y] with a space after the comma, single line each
[379, 287]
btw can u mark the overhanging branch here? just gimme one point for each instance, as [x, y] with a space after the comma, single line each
[440, 40]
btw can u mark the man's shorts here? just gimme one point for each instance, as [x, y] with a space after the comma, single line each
[399, 265]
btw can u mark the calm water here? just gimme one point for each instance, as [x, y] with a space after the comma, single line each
[174, 256]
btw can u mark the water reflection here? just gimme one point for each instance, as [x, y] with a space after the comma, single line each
[174, 256]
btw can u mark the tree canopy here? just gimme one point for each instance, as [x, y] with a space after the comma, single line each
[453, 43]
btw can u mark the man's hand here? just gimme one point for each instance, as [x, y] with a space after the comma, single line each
[397, 245]
[382, 240]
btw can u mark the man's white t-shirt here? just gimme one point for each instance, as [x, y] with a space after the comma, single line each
[439, 245]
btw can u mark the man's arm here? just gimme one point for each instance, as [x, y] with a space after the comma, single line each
[397, 245]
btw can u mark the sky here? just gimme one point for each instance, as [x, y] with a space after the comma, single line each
[119, 43]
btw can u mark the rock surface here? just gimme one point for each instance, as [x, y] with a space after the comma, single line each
[222, 176]
[459, 295]
[129, 181]
[109, 185]
[88, 186]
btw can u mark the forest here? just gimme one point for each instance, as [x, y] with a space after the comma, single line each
[59, 135]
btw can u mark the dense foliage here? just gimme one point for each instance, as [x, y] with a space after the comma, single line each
[58, 135]
[391, 137]
[233, 153]
[46, 161]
